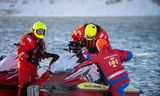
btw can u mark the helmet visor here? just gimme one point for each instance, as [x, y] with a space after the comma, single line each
[90, 37]
[40, 31]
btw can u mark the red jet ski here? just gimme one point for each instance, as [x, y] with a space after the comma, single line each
[68, 82]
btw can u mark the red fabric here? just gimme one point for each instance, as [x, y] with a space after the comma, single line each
[9, 78]
[83, 64]
[110, 60]
[114, 88]
[79, 33]
[27, 43]
[85, 51]
[27, 71]
[27, 74]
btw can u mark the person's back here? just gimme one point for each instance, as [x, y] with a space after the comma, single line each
[110, 60]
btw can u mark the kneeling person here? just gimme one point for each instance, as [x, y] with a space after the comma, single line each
[110, 63]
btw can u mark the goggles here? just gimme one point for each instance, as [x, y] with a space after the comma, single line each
[40, 31]
[90, 37]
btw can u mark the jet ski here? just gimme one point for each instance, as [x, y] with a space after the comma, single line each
[78, 83]
[60, 79]
[8, 75]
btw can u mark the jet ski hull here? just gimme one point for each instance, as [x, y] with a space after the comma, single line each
[8, 83]
[57, 86]
[8, 92]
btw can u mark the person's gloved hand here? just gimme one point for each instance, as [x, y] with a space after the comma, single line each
[35, 62]
[55, 56]
[74, 44]
[52, 55]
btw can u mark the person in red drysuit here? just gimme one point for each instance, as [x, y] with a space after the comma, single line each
[31, 49]
[110, 63]
[86, 36]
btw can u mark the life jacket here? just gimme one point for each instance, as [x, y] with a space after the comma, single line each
[89, 44]
[38, 51]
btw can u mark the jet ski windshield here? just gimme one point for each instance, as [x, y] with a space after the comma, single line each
[9, 62]
[67, 61]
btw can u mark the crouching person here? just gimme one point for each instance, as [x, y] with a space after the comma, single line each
[110, 63]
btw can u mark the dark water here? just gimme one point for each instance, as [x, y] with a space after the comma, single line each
[141, 35]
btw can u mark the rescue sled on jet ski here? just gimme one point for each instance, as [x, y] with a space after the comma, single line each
[59, 80]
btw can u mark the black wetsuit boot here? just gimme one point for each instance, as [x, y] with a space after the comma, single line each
[24, 90]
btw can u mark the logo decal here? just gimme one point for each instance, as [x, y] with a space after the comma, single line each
[92, 86]
[29, 39]
[22, 43]
[113, 62]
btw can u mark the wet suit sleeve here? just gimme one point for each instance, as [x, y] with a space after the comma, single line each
[102, 34]
[78, 34]
[90, 56]
[54, 56]
[47, 55]
[125, 55]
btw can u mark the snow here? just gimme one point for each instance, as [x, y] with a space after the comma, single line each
[79, 8]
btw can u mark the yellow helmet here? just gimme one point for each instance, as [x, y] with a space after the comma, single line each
[90, 31]
[39, 25]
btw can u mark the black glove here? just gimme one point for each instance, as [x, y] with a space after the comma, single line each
[34, 62]
[79, 54]
[55, 56]
[74, 44]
